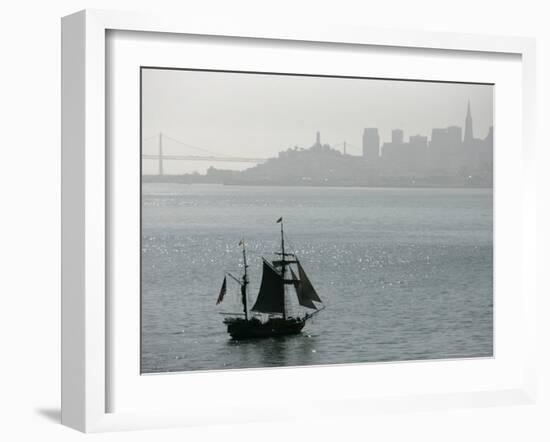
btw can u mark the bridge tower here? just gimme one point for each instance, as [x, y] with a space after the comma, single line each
[468, 130]
[161, 166]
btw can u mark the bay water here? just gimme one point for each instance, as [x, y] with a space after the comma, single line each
[405, 274]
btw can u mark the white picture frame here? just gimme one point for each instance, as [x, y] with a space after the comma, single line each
[86, 204]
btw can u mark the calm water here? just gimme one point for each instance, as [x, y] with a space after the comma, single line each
[405, 273]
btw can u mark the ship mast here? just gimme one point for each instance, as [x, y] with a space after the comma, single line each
[272, 294]
[283, 266]
[244, 283]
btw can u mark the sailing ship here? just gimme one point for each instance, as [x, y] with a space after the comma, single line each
[269, 314]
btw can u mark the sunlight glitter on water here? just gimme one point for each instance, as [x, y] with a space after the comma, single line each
[405, 274]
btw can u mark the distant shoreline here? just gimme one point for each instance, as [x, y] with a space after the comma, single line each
[175, 179]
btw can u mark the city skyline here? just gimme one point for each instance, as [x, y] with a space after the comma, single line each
[452, 157]
[265, 114]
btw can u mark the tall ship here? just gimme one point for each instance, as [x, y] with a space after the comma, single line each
[269, 314]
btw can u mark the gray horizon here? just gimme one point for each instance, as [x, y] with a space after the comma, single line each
[259, 115]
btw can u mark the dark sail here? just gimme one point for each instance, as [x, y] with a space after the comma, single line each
[307, 289]
[271, 295]
[222, 290]
[303, 300]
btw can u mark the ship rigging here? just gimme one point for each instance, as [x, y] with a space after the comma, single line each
[284, 271]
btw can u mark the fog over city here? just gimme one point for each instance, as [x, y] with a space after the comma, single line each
[254, 115]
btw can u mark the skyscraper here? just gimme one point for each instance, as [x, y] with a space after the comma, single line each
[468, 129]
[397, 136]
[454, 136]
[371, 144]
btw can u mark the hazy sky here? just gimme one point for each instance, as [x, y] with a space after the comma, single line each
[255, 115]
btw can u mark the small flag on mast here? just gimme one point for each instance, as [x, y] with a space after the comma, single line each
[222, 291]
[280, 219]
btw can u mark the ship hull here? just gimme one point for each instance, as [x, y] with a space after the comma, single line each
[241, 329]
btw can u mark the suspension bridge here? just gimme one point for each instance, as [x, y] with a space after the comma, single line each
[193, 153]
[189, 152]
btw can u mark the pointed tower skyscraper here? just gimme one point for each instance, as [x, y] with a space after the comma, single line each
[468, 129]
